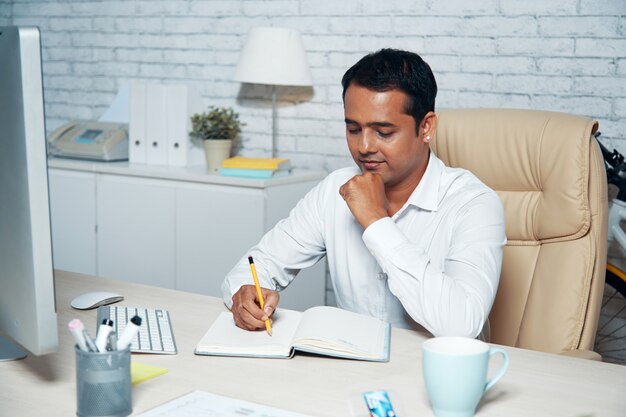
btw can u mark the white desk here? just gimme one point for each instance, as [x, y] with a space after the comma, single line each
[536, 384]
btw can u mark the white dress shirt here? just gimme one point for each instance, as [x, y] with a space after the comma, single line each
[434, 264]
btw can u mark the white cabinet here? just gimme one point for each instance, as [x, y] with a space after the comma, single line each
[136, 239]
[216, 225]
[214, 228]
[171, 227]
[73, 218]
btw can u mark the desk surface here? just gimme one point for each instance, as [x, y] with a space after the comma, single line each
[536, 383]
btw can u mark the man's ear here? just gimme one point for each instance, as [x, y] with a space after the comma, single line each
[428, 127]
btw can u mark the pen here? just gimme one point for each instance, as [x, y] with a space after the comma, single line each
[131, 330]
[112, 342]
[103, 334]
[76, 328]
[268, 325]
[89, 341]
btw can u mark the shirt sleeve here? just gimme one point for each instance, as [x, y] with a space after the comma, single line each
[293, 244]
[454, 301]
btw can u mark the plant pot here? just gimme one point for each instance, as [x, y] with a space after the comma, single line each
[215, 151]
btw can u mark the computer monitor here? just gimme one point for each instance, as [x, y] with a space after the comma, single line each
[27, 305]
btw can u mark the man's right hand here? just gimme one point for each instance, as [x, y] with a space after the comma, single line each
[246, 311]
[365, 196]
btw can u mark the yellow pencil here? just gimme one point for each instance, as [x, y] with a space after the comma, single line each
[268, 325]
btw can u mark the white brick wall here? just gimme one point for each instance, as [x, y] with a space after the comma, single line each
[5, 12]
[558, 55]
[545, 54]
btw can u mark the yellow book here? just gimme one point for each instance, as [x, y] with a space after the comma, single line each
[256, 163]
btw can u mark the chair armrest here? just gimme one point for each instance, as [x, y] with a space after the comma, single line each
[582, 354]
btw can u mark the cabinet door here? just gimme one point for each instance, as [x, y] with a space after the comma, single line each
[73, 218]
[136, 230]
[215, 226]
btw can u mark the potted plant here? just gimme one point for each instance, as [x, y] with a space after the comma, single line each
[217, 128]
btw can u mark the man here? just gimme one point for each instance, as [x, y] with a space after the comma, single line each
[408, 240]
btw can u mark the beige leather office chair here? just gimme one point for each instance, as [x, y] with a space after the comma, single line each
[549, 172]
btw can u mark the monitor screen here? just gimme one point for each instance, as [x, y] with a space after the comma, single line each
[27, 304]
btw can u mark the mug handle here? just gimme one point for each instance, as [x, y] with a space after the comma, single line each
[503, 368]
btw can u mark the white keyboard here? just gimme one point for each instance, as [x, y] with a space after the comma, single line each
[155, 333]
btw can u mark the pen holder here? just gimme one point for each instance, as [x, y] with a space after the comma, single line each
[103, 383]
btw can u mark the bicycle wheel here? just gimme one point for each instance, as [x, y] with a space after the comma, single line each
[611, 335]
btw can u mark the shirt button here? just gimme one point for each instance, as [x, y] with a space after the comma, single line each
[382, 275]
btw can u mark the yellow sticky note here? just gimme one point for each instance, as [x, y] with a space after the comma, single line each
[140, 372]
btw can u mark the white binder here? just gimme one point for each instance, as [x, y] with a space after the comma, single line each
[156, 124]
[137, 124]
[160, 122]
[182, 102]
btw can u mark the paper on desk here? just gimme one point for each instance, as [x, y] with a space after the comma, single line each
[118, 110]
[140, 372]
[202, 404]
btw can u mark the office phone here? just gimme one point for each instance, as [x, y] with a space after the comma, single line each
[100, 141]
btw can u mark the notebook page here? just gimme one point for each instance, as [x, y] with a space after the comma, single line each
[224, 337]
[334, 329]
[204, 404]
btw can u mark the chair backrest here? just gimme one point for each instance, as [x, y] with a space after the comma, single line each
[549, 173]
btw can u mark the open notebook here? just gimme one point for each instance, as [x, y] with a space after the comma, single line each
[326, 331]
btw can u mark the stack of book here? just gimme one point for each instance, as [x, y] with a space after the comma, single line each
[263, 168]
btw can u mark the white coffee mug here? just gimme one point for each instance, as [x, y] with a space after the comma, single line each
[455, 373]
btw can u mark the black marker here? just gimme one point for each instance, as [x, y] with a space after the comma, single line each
[131, 330]
[103, 334]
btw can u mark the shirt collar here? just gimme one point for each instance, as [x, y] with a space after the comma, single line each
[426, 194]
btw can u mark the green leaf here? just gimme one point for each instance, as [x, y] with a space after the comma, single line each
[217, 123]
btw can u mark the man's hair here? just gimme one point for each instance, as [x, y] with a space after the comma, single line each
[390, 69]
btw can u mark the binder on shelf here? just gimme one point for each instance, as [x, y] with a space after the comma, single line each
[176, 141]
[137, 124]
[156, 124]
[160, 122]
[257, 163]
[182, 102]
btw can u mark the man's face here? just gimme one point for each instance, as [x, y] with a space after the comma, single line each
[382, 137]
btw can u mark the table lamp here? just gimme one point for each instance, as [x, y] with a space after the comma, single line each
[274, 56]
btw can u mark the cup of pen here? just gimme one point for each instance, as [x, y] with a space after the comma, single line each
[103, 383]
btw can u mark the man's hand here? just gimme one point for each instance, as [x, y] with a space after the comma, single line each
[366, 199]
[246, 311]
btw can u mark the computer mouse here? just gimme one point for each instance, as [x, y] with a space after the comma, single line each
[95, 299]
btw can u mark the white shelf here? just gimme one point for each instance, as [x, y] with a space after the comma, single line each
[197, 173]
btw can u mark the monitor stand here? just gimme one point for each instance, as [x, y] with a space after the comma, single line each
[10, 351]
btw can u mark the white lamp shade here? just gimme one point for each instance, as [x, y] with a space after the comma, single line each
[274, 56]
